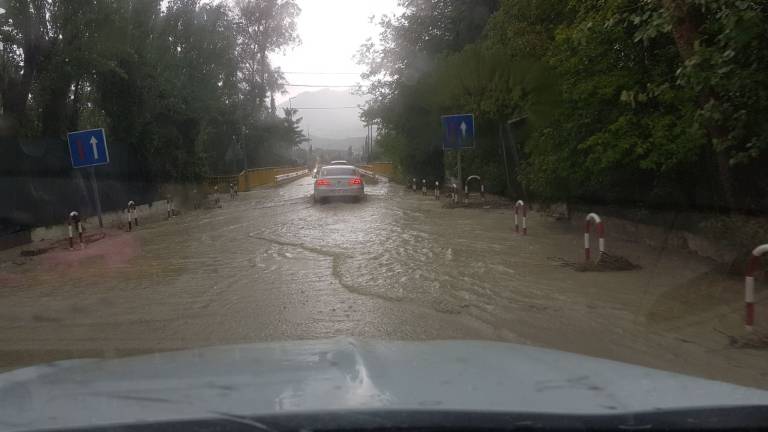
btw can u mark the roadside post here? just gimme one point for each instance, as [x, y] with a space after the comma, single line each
[593, 217]
[482, 192]
[454, 195]
[88, 149]
[74, 224]
[458, 171]
[130, 211]
[518, 205]
[437, 190]
[169, 206]
[424, 187]
[466, 187]
[458, 134]
[413, 184]
[749, 285]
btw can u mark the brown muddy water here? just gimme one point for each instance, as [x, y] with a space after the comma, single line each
[274, 266]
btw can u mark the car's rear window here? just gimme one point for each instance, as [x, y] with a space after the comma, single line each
[338, 171]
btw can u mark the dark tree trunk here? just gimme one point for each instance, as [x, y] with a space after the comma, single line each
[73, 123]
[685, 30]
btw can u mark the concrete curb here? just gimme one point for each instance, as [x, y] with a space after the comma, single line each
[113, 219]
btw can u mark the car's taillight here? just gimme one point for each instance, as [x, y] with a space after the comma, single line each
[322, 182]
[356, 181]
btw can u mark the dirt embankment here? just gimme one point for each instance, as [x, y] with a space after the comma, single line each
[727, 240]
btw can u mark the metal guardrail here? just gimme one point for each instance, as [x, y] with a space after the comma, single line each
[367, 173]
[283, 177]
[221, 181]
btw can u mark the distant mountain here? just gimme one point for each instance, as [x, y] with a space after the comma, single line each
[329, 123]
[357, 143]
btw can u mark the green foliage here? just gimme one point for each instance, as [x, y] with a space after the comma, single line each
[646, 102]
[180, 86]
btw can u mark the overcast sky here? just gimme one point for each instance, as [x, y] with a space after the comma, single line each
[331, 31]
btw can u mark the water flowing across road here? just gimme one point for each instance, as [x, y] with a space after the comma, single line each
[274, 266]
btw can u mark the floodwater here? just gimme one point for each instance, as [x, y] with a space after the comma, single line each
[274, 266]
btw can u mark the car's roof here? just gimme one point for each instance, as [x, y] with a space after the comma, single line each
[338, 166]
[339, 162]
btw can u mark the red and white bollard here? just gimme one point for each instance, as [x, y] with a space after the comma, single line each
[749, 285]
[169, 207]
[437, 190]
[130, 212]
[593, 217]
[519, 204]
[73, 224]
[424, 187]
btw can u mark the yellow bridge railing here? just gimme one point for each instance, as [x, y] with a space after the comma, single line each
[256, 177]
[249, 179]
[385, 169]
[263, 176]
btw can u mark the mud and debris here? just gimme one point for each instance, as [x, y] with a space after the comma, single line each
[475, 201]
[750, 340]
[272, 265]
[35, 252]
[606, 262]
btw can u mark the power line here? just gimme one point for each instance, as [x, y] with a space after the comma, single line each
[316, 85]
[326, 108]
[320, 73]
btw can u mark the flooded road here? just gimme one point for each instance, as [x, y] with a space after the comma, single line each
[274, 266]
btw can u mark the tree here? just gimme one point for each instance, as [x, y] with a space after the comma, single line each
[653, 103]
[179, 85]
[399, 68]
[262, 28]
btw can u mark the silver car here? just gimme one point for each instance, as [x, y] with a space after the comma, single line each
[339, 181]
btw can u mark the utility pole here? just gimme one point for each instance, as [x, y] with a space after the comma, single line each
[370, 142]
[515, 150]
[504, 155]
[244, 149]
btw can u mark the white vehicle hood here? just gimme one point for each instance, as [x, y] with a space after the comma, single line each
[344, 374]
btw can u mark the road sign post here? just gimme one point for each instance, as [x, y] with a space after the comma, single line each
[96, 198]
[461, 180]
[88, 149]
[458, 134]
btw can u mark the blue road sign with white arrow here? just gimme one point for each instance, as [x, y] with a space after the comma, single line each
[88, 148]
[458, 131]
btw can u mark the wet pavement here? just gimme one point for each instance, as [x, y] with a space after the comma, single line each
[274, 266]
